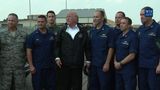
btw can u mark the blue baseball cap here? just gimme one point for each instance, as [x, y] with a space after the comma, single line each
[148, 12]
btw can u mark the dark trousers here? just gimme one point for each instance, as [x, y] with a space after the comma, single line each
[125, 81]
[44, 79]
[99, 80]
[68, 78]
[58, 78]
[148, 79]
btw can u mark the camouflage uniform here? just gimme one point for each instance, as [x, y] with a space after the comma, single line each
[12, 59]
[55, 29]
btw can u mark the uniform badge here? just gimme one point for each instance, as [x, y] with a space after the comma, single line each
[152, 34]
[125, 43]
[55, 33]
[37, 39]
[51, 38]
[103, 35]
[139, 33]
[80, 36]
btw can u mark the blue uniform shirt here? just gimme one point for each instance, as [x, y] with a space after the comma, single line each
[126, 44]
[101, 41]
[42, 46]
[148, 50]
[116, 32]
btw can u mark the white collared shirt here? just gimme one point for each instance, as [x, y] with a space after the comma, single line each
[72, 31]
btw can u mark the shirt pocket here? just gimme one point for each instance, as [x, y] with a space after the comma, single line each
[38, 42]
[103, 39]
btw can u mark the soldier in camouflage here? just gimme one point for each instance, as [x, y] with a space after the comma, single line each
[51, 22]
[51, 25]
[12, 55]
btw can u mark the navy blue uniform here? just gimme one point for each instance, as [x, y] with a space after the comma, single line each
[101, 41]
[116, 32]
[42, 46]
[148, 57]
[126, 76]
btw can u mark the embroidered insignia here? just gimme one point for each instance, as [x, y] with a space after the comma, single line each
[80, 36]
[51, 38]
[55, 33]
[125, 43]
[37, 39]
[139, 33]
[103, 35]
[152, 34]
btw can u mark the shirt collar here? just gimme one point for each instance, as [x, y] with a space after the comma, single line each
[126, 34]
[151, 26]
[102, 28]
[38, 31]
[75, 27]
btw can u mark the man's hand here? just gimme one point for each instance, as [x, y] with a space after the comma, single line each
[117, 65]
[32, 69]
[87, 65]
[58, 62]
[106, 67]
[158, 69]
